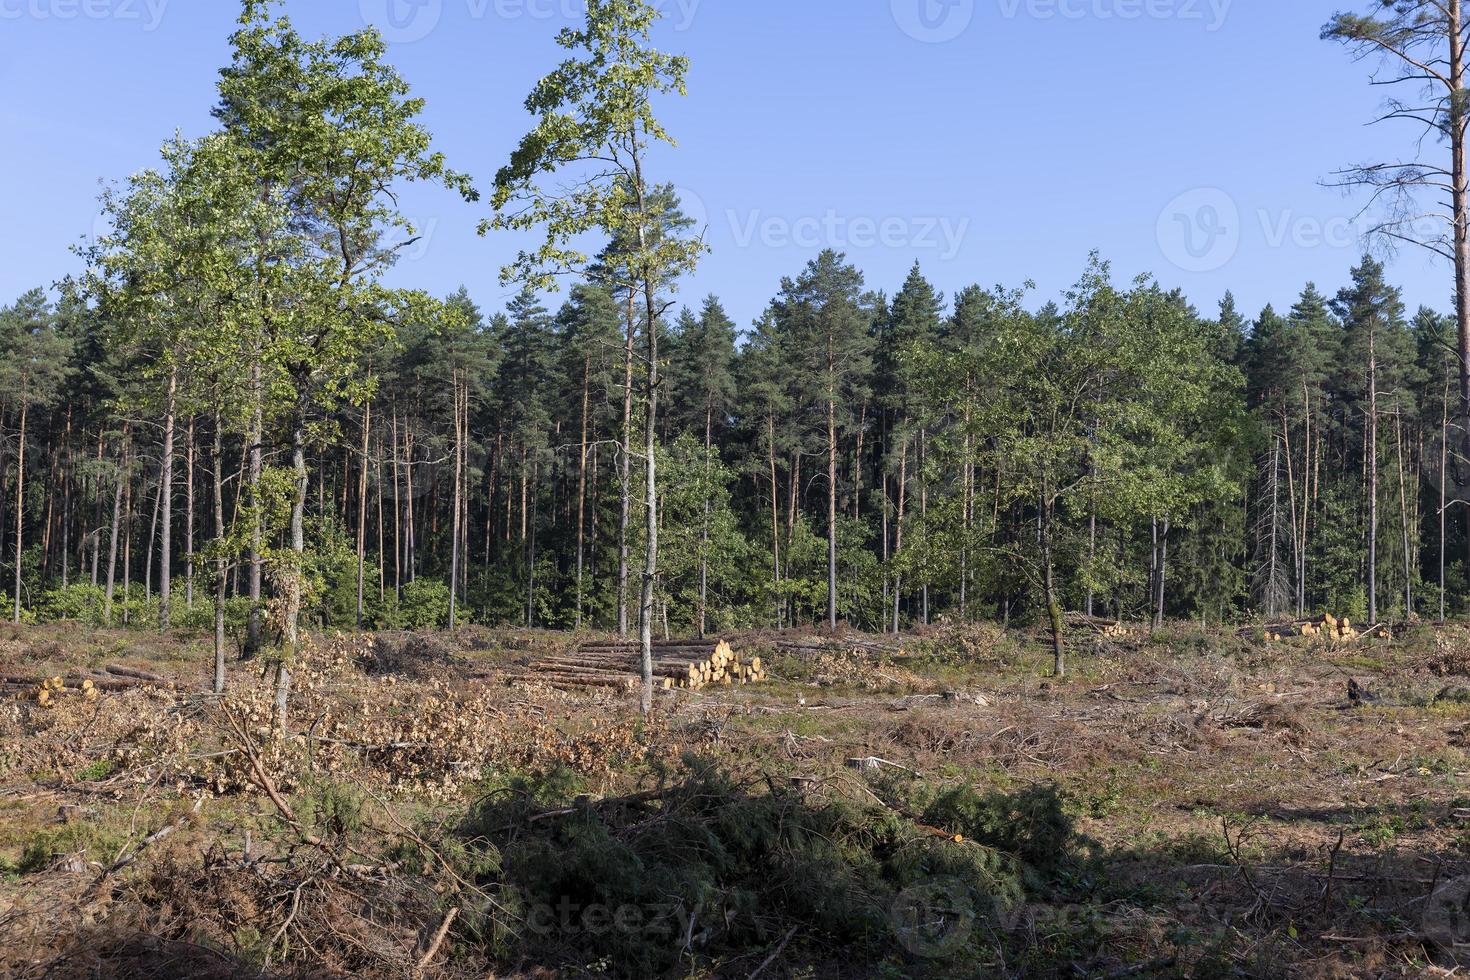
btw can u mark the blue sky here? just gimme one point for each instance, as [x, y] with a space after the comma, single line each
[993, 140]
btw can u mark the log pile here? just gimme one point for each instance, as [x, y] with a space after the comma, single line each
[1110, 628]
[83, 683]
[1327, 627]
[617, 665]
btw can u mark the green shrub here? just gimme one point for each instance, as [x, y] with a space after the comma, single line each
[625, 882]
[423, 606]
[79, 602]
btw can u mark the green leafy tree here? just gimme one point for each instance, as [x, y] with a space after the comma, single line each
[595, 126]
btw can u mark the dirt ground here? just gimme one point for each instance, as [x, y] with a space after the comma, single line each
[1241, 808]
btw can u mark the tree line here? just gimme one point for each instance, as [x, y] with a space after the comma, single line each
[230, 421]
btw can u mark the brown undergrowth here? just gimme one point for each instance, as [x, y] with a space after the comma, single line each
[1239, 811]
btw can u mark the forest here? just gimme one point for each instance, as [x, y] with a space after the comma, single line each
[876, 454]
[357, 630]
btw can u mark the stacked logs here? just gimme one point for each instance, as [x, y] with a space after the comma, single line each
[617, 665]
[1328, 627]
[1110, 628]
[85, 683]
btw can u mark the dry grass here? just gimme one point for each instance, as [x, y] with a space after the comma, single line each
[1245, 817]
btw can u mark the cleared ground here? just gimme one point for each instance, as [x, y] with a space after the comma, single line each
[1233, 810]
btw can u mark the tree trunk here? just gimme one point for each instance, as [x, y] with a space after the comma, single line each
[117, 499]
[831, 510]
[20, 508]
[292, 616]
[454, 552]
[1460, 202]
[903, 482]
[1372, 454]
[166, 505]
[221, 564]
[775, 517]
[625, 513]
[257, 434]
[362, 508]
[1049, 586]
[582, 483]
[189, 518]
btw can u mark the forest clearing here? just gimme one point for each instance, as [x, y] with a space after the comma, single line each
[408, 573]
[1191, 803]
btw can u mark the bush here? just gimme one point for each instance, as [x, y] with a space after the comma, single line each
[625, 882]
[424, 605]
[201, 615]
[80, 602]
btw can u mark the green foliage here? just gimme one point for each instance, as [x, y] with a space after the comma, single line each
[79, 602]
[620, 882]
[423, 605]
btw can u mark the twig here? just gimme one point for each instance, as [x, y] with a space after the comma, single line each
[438, 940]
[772, 958]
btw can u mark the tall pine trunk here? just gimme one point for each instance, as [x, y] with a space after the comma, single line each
[20, 508]
[831, 509]
[221, 563]
[625, 512]
[166, 505]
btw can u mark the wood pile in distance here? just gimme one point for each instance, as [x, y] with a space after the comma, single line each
[1327, 627]
[680, 664]
[85, 683]
[1103, 627]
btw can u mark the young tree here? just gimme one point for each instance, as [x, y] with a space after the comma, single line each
[595, 126]
[331, 129]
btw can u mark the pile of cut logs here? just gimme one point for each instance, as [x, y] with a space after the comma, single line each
[84, 683]
[617, 665]
[1328, 627]
[1096, 624]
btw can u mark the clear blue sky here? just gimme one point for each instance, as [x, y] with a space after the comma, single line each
[1041, 130]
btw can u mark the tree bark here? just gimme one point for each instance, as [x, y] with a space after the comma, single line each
[117, 499]
[166, 505]
[256, 436]
[362, 509]
[221, 564]
[20, 509]
[625, 514]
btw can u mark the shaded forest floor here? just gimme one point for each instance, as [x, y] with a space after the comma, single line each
[1223, 808]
